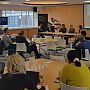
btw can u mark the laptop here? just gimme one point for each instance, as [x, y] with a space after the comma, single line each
[34, 76]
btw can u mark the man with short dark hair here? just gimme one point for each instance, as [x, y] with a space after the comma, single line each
[6, 39]
[63, 29]
[30, 46]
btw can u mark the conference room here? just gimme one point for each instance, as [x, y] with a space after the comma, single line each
[44, 45]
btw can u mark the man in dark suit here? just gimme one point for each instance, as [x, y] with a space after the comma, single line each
[30, 46]
[63, 29]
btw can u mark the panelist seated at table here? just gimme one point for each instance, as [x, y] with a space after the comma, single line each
[63, 29]
[30, 46]
[80, 28]
[16, 78]
[75, 73]
[71, 29]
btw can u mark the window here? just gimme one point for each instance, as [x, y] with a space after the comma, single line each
[21, 19]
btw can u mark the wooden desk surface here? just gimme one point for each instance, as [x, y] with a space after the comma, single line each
[44, 40]
[49, 70]
[59, 33]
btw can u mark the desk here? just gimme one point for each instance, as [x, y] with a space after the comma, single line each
[59, 33]
[51, 71]
[43, 41]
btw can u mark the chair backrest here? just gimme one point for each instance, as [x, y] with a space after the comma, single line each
[85, 55]
[68, 87]
[51, 46]
[60, 42]
[21, 47]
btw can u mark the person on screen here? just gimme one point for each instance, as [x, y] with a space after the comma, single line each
[16, 78]
[75, 73]
[63, 29]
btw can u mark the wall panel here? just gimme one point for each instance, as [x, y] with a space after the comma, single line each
[68, 14]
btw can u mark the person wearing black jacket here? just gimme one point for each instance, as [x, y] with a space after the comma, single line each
[16, 82]
[16, 78]
[63, 29]
[30, 47]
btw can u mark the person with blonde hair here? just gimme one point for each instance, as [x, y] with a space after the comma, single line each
[16, 78]
[16, 64]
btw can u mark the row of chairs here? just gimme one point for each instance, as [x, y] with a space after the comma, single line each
[56, 45]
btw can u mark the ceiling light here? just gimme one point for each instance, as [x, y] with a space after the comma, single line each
[44, 2]
[27, 0]
[87, 1]
[4, 2]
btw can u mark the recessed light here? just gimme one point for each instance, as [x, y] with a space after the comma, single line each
[27, 0]
[44, 3]
[87, 1]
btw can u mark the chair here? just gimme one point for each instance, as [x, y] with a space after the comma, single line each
[51, 47]
[61, 43]
[21, 47]
[68, 87]
[85, 55]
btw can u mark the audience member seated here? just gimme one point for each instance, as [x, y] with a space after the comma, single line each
[63, 29]
[30, 46]
[75, 73]
[83, 32]
[82, 45]
[7, 40]
[81, 37]
[16, 78]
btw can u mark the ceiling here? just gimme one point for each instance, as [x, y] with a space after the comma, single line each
[19, 2]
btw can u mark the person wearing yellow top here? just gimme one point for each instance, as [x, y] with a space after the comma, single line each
[75, 73]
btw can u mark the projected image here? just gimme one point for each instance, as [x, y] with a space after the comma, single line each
[86, 15]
